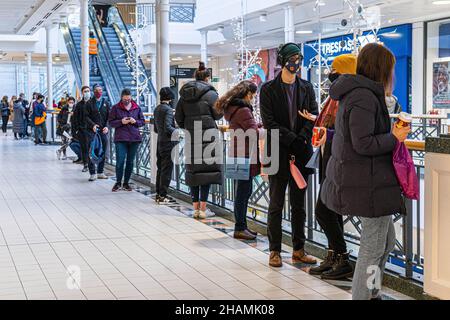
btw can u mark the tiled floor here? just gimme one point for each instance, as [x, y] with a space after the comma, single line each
[58, 231]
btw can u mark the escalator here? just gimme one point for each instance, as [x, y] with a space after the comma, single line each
[115, 58]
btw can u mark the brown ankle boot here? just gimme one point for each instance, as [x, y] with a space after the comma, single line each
[275, 259]
[300, 256]
[244, 235]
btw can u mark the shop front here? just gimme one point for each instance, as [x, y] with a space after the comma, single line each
[397, 38]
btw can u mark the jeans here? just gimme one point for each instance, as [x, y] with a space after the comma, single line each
[5, 123]
[200, 193]
[243, 191]
[93, 63]
[164, 164]
[277, 191]
[125, 155]
[332, 224]
[37, 133]
[377, 241]
[101, 165]
[76, 148]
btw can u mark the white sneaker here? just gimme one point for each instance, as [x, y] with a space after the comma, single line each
[102, 176]
[93, 177]
[58, 154]
[196, 214]
[206, 214]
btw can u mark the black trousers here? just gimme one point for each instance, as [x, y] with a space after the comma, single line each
[164, 165]
[5, 123]
[332, 224]
[84, 137]
[277, 193]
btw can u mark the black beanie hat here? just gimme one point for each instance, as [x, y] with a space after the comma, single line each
[287, 51]
[166, 94]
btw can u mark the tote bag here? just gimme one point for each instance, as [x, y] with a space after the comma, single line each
[406, 172]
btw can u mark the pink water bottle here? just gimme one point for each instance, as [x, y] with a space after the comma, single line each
[297, 175]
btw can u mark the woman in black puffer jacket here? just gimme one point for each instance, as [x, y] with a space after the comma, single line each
[360, 178]
[195, 114]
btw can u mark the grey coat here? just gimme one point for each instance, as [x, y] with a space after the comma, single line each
[360, 178]
[19, 117]
[195, 110]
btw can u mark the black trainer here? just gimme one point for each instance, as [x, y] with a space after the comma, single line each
[127, 187]
[116, 187]
[326, 265]
[341, 268]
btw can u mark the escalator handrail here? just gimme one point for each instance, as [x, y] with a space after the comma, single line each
[122, 26]
[111, 78]
[73, 53]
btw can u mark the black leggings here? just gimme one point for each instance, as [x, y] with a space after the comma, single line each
[200, 193]
[5, 123]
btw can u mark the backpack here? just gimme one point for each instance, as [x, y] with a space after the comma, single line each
[96, 152]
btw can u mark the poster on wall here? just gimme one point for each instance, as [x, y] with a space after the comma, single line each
[441, 90]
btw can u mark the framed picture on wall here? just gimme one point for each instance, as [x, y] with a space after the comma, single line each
[441, 83]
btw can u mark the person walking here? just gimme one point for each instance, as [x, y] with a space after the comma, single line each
[196, 114]
[165, 128]
[82, 126]
[360, 178]
[237, 107]
[97, 118]
[19, 116]
[280, 101]
[93, 51]
[126, 118]
[4, 108]
[39, 116]
[337, 263]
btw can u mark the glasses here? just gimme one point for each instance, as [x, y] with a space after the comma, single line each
[296, 59]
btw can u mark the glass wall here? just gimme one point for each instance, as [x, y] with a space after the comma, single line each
[438, 66]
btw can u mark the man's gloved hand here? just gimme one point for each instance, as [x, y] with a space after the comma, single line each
[298, 147]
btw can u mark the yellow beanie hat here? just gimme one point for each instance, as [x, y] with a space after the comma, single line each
[345, 64]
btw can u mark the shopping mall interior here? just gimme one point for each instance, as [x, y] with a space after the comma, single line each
[65, 236]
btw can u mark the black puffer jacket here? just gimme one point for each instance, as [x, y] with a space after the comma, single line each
[196, 106]
[360, 178]
[164, 126]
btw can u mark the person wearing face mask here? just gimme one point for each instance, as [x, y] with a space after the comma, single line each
[392, 104]
[164, 127]
[280, 101]
[82, 124]
[39, 115]
[63, 127]
[126, 118]
[337, 264]
[236, 105]
[98, 120]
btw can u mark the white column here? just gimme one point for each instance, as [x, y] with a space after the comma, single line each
[204, 46]
[29, 77]
[49, 43]
[289, 27]
[84, 26]
[417, 72]
[157, 46]
[164, 43]
[153, 68]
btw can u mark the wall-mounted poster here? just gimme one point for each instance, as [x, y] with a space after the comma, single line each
[441, 90]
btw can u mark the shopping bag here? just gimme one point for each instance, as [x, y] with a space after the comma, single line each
[297, 175]
[406, 172]
[237, 168]
[96, 152]
[314, 162]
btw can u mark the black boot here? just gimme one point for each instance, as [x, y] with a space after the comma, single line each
[326, 265]
[341, 269]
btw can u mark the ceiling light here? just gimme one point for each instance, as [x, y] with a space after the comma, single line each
[441, 2]
[222, 42]
[189, 57]
[263, 17]
[57, 57]
[304, 32]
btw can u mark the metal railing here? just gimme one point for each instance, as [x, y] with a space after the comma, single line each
[406, 260]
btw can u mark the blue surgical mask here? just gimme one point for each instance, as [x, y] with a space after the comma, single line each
[87, 95]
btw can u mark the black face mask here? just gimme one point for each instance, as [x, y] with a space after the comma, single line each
[293, 66]
[333, 76]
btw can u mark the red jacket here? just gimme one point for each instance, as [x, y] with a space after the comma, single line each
[239, 114]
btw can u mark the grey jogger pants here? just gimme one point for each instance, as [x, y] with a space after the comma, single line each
[377, 241]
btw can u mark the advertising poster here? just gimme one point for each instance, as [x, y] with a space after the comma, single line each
[441, 91]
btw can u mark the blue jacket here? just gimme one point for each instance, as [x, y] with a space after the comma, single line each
[39, 109]
[4, 108]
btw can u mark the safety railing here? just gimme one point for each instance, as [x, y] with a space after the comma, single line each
[406, 260]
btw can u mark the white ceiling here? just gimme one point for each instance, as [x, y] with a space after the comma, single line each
[13, 12]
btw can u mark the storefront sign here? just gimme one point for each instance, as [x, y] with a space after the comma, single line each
[187, 73]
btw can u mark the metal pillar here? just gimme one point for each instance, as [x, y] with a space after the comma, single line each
[29, 77]
[164, 43]
[153, 69]
[84, 26]
[289, 27]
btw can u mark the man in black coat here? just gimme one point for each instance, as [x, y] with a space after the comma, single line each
[164, 126]
[281, 100]
[97, 118]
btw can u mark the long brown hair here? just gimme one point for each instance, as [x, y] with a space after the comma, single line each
[5, 99]
[239, 91]
[377, 62]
